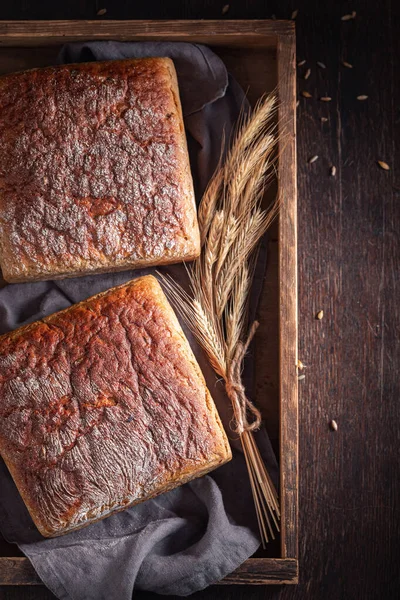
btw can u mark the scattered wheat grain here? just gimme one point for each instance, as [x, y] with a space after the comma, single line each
[350, 16]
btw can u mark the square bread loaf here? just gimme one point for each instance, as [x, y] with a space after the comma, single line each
[102, 406]
[94, 170]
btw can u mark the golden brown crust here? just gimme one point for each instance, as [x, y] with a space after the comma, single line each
[94, 170]
[102, 406]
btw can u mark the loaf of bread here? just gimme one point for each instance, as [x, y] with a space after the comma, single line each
[94, 170]
[102, 406]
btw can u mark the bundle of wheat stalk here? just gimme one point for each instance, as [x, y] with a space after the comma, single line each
[232, 223]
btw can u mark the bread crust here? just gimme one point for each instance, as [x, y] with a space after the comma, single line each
[103, 406]
[94, 170]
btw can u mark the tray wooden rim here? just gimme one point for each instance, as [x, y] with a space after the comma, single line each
[18, 570]
[262, 33]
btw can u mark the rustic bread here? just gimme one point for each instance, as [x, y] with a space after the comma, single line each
[102, 406]
[94, 170]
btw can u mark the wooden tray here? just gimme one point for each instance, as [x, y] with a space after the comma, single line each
[261, 55]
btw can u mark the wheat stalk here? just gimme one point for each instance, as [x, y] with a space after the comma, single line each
[253, 126]
[232, 223]
[211, 253]
[235, 313]
[246, 239]
[211, 196]
[209, 202]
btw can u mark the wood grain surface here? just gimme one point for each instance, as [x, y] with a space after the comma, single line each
[20, 571]
[288, 310]
[348, 266]
[235, 33]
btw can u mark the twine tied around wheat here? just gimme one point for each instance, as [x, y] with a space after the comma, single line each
[236, 392]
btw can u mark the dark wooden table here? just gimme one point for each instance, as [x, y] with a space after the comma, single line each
[349, 257]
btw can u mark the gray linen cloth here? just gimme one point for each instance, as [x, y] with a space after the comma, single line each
[188, 538]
